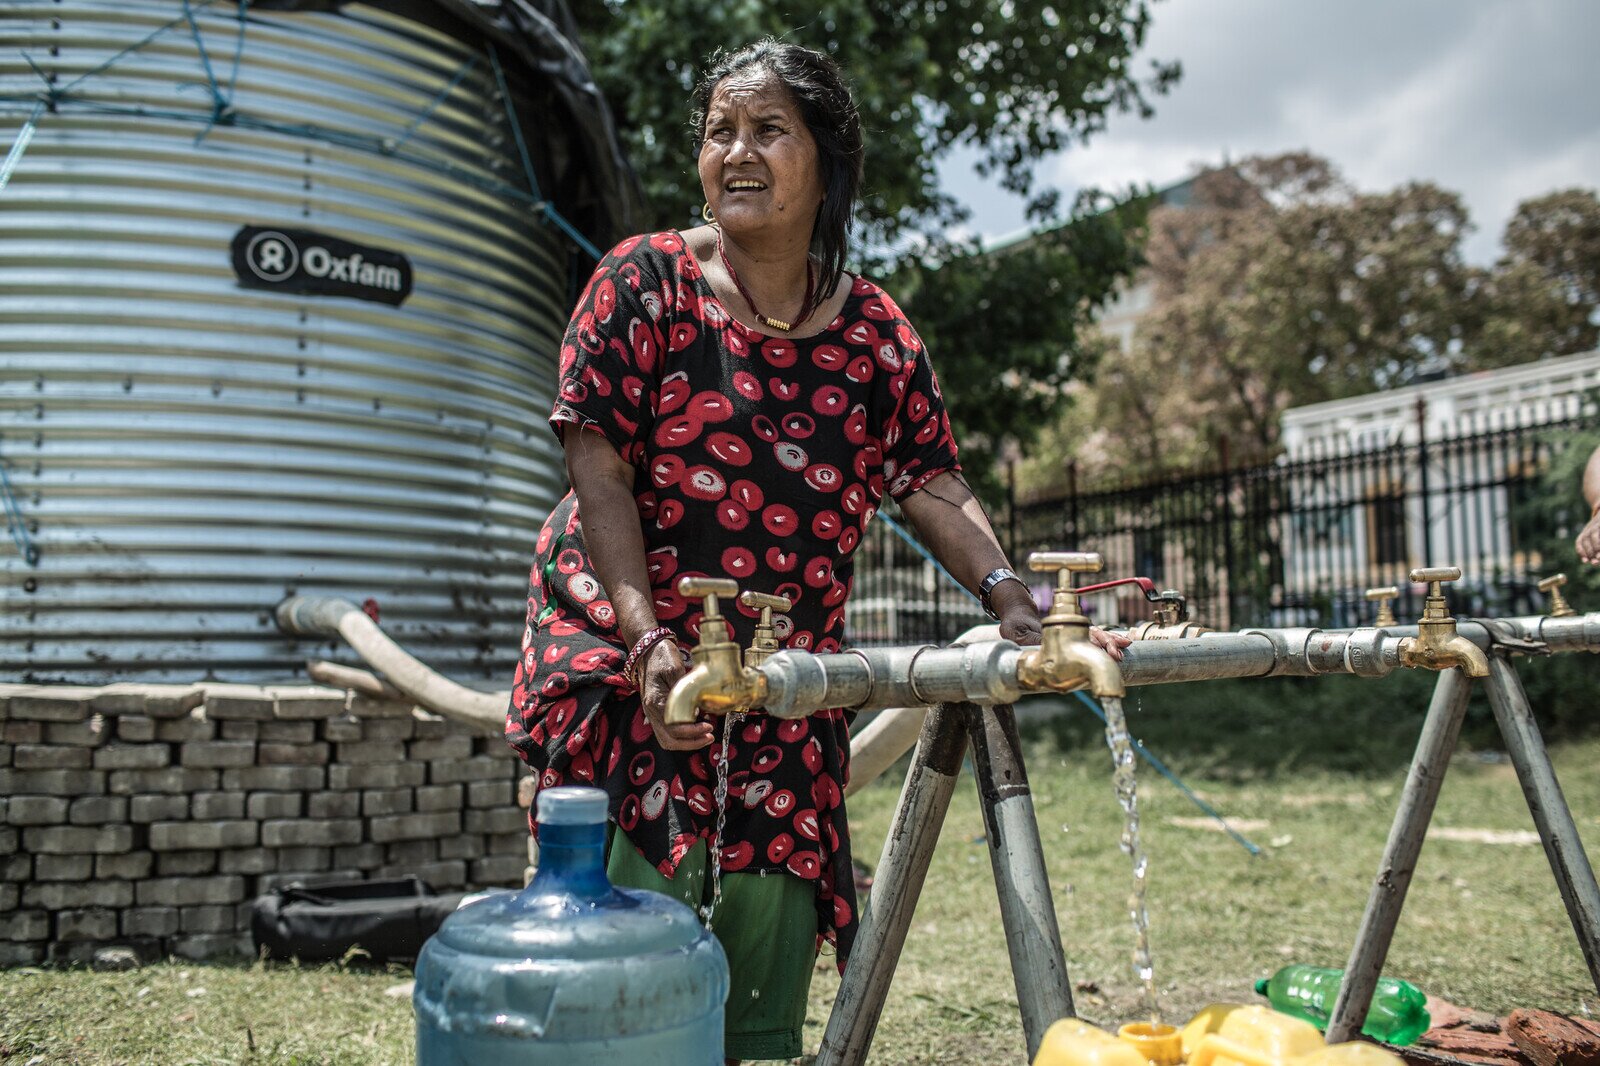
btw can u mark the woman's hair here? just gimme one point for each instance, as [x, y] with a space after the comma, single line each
[828, 111]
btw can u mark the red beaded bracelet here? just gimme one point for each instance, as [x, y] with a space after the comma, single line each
[641, 648]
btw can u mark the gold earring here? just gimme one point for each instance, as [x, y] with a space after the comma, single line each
[706, 212]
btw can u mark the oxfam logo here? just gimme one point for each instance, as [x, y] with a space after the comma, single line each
[272, 256]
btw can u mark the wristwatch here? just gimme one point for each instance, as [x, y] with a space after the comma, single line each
[986, 586]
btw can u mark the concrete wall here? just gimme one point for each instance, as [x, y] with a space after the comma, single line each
[151, 815]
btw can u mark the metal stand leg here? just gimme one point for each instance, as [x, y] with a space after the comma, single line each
[1026, 907]
[1552, 817]
[1440, 731]
[901, 871]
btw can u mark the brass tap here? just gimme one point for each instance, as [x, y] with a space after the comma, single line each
[1384, 598]
[765, 644]
[1559, 607]
[1437, 645]
[1171, 621]
[1067, 659]
[718, 681]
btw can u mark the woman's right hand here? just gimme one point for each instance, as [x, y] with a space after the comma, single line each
[663, 665]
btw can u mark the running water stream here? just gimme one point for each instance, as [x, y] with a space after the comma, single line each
[707, 910]
[1122, 777]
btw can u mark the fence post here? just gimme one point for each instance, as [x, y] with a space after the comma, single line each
[1422, 467]
[1227, 532]
[1011, 508]
[1072, 507]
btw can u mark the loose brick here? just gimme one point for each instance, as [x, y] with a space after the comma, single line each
[499, 820]
[58, 895]
[305, 832]
[498, 870]
[398, 775]
[50, 757]
[175, 779]
[87, 923]
[188, 891]
[236, 730]
[133, 757]
[333, 805]
[218, 754]
[50, 703]
[439, 798]
[345, 727]
[155, 701]
[274, 754]
[209, 918]
[200, 836]
[129, 866]
[150, 921]
[413, 826]
[456, 746]
[288, 732]
[307, 859]
[490, 794]
[277, 778]
[359, 856]
[192, 728]
[136, 729]
[143, 809]
[249, 702]
[386, 801]
[249, 861]
[431, 726]
[370, 751]
[25, 925]
[262, 805]
[411, 852]
[370, 707]
[388, 729]
[90, 733]
[37, 810]
[461, 847]
[309, 703]
[54, 782]
[21, 732]
[29, 954]
[479, 768]
[217, 805]
[63, 867]
[97, 810]
[76, 840]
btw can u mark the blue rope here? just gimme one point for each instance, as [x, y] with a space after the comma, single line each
[569, 229]
[516, 127]
[14, 522]
[188, 15]
[219, 103]
[238, 51]
[433, 105]
[20, 145]
[1144, 753]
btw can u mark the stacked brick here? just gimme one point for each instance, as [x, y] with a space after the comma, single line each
[151, 816]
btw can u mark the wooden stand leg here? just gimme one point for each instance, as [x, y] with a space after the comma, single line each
[1551, 815]
[901, 871]
[1440, 732]
[1027, 909]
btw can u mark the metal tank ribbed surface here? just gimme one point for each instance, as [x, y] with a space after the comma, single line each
[185, 451]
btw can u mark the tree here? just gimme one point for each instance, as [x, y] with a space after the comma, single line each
[1014, 79]
[1544, 298]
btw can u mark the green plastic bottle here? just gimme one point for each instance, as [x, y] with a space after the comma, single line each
[1398, 1015]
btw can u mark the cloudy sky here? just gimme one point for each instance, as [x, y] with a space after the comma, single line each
[1499, 101]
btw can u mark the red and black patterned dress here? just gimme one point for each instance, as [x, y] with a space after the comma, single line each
[758, 458]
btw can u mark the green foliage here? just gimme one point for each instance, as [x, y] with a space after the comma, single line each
[1013, 79]
[1545, 292]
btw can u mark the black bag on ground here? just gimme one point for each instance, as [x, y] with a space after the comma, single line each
[387, 919]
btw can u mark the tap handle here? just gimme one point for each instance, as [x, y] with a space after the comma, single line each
[1384, 598]
[765, 604]
[707, 589]
[1559, 607]
[1388, 592]
[1065, 564]
[1433, 575]
[1552, 583]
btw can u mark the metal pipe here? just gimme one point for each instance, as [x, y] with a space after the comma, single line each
[907, 852]
[1551, 815]
[330, 616]
[1440, 730]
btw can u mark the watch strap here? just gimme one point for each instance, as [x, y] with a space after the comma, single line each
[987, 586]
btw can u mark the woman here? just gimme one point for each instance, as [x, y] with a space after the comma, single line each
[733, 404]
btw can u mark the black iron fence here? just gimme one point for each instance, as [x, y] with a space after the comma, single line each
[1294, 542]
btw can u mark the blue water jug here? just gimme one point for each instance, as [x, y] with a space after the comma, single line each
[571, 971]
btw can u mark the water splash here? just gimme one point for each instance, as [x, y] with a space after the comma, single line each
[721, 797]
[1122, 777]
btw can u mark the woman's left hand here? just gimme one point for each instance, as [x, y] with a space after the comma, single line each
[1113, 643]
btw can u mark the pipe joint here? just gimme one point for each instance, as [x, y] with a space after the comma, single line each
[1291, 649]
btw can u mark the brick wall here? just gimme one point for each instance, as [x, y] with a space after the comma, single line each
[151, 815]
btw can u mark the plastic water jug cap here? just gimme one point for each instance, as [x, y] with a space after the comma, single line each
[572, 805]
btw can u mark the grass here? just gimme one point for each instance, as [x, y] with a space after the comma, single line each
[1483, 925]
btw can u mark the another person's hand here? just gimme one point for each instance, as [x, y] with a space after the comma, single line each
[1588, 543]
[1112, 643]
[663, 665]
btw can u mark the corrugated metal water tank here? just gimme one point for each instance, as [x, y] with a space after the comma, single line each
[185, 451]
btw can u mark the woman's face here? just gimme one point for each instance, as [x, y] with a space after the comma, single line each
[758, 163]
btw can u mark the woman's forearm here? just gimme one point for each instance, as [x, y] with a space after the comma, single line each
[1591, 481]
[611, 530]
